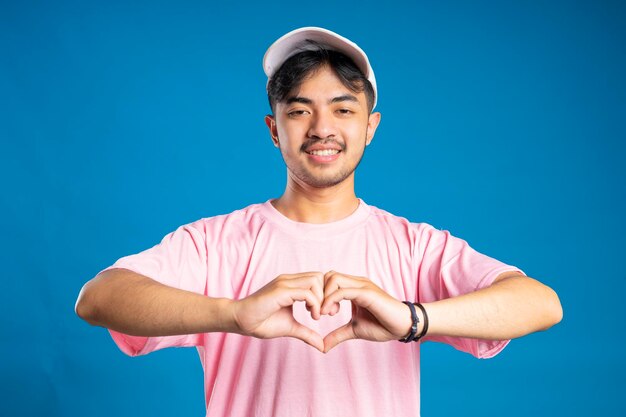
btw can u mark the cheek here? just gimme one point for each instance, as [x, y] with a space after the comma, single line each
[357, 135]
[289, 149]
[289, 133]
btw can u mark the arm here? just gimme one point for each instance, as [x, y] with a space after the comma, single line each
[133, 304]
[513, 306]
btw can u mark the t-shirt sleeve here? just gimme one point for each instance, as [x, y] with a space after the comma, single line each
[179, 261]
[449, 267]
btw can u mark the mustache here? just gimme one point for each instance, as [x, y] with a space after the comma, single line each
[312, 142]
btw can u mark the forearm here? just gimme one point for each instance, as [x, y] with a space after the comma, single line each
[510, 308]
[133, 304]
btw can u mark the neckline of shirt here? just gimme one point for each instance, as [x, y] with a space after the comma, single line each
[315, 230]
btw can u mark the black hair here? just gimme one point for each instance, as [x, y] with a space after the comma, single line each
[295, 69]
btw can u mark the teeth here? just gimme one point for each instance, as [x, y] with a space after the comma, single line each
[325, 152]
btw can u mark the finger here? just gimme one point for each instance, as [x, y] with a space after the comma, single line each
[307, 335]
[314, 310]
[313, 304]
[331, 284]
[331, 310]
[341, 334]
[360, 296]
[334, 281]
[317, 289]
[340, 277]
[331, 307]
[291, 295]
[311, 281]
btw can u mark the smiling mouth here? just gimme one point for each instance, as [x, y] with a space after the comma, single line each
[325, 152]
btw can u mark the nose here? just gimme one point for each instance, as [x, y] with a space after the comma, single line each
[322, 126]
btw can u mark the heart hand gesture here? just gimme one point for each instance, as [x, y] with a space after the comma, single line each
[268, 313]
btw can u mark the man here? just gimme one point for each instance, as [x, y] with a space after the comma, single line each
[317, 265]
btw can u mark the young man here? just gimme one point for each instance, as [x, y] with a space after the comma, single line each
[301, 305]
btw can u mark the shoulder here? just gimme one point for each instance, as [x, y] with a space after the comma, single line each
[398, 223]
[235, 224]
[418, 235]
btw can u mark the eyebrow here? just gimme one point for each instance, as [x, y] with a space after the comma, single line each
[338, 99]
[345, 97]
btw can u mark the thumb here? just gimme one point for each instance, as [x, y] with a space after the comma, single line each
[340, 334]
[307, 335]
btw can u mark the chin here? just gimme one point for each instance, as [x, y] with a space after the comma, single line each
[323, 181]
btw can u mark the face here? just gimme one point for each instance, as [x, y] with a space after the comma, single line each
[322, 130]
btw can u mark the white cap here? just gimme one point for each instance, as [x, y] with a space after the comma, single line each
[295, 41]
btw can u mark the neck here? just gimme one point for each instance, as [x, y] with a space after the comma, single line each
[303, 203]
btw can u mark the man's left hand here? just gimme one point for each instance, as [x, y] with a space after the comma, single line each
[376, 315]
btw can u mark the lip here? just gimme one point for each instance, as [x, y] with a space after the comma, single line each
[323, 159]
[320, 147]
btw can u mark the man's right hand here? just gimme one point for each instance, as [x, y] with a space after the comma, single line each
[268, 313]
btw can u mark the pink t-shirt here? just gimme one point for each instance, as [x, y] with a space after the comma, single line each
[234, 255]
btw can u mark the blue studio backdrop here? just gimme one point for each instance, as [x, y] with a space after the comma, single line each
[502, 122]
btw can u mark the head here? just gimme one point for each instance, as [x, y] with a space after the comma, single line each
[322, 116]
[314, 56]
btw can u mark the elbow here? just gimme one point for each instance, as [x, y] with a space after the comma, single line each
[559, 310]
[553, 309]
[85, 307]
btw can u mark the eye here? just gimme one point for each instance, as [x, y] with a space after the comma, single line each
[344, 112]
[297, 113]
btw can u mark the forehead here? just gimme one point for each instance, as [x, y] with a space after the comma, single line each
[324, 84]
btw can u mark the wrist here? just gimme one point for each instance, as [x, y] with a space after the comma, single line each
[410, 336]
[424, 322]
[419, 322]
[225, 313]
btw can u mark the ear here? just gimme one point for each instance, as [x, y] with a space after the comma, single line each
[270, 121]
[372, 125]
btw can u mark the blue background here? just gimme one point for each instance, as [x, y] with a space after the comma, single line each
[503, 123]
